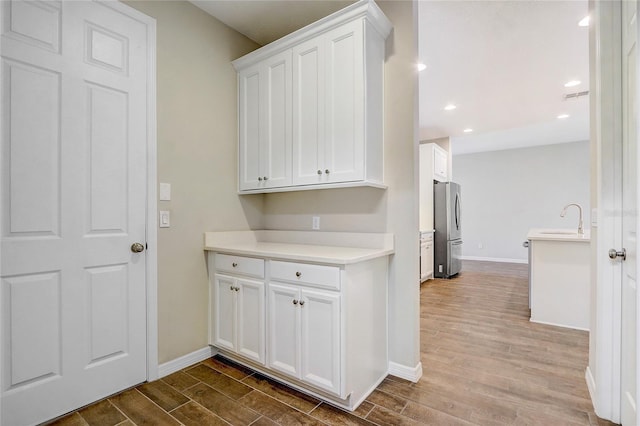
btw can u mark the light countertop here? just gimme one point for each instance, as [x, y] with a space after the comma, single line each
[339, 248]
[566, 235]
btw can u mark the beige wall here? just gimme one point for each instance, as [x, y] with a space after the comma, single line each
[197, 145]
[197, 155]
[374, 210]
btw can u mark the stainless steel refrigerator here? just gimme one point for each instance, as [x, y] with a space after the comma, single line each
[447, 240]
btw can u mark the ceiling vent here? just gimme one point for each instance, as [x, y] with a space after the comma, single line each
[575, 95]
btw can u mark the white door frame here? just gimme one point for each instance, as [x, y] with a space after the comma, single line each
[151, 203]
[603, 374]
[152, 199]
[152, 177]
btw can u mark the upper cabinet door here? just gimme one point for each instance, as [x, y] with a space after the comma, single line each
[265, 123]
[344, 103]
[275, 150]
[440, 162]
[250, 96]
[308, 112]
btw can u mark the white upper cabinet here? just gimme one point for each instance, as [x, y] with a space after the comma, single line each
[265, 123]
[311, 105]
[328, 108]
[440, 164]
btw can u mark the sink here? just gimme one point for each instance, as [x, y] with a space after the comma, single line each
[559, 232]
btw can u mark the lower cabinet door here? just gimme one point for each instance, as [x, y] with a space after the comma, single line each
[320, 338]
[250, 320]
[284, 331]
[224, 312]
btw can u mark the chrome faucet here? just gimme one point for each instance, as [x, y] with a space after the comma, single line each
[580, 223]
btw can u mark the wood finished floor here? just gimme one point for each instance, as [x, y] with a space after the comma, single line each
[484, 363]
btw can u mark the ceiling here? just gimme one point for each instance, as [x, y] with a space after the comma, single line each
[502, 63]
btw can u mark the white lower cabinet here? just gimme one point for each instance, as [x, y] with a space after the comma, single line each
[304, 334]
[239, 319]
[237, 316]
[319, 328]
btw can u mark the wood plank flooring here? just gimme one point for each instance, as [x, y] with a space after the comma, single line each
[484, 363]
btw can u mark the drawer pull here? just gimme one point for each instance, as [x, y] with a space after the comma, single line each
[234, 264]
[295, 302]
[298, 274]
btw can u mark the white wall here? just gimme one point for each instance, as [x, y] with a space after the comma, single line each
[505, 193]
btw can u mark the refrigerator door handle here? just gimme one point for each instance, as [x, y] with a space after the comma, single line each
[457, 212]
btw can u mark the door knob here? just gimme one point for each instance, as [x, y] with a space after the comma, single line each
[137, 247]
[613, 253]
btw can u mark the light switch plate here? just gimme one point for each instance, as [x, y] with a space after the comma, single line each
[165, 192]
[165, 219]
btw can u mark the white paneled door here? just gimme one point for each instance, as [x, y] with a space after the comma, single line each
[73, 181]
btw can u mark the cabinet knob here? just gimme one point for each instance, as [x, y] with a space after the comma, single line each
[295, 302]
[237, 288]
[265, 178]
[298, 274]
[231, 288]
[319, 172]
[326, 171]
[302, 303]
[259, 179]
[234, 264]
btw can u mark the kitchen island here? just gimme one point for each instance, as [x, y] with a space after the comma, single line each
[559, 277]
[308, 309]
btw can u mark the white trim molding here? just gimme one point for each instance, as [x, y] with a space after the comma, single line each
[412, 374]
[605, 50]
[184, 361]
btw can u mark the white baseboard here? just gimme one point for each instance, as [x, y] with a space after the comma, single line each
[184, 361]
[591, 385]
[412, 374]
[558, 325]
[495, 259]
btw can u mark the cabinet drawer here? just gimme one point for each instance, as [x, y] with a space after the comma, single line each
[426, 237]
[317, 275]
[240, 265]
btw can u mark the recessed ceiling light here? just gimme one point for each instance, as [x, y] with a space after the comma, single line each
[421, 67]
[563, 116]
[584, 22]
[450, 107]
[572, 83]
[468, 130]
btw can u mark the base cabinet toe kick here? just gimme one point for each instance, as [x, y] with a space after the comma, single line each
[319, 328]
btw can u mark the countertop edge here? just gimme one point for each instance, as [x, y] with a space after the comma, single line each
[549, 235]
[335, 248]
[373, 254]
